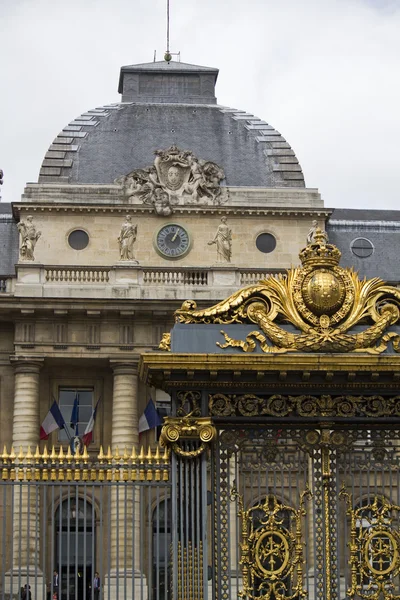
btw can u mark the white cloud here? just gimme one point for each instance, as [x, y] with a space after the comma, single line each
[323, 72]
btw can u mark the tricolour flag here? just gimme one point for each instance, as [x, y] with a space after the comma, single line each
[150, 418]
[53, 420]
[88, 433]
[75, 413]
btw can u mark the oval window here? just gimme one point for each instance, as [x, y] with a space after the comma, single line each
[266, 242]
[362, 247]
[78, 239]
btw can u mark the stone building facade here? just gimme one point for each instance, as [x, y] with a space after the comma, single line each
[139, 206]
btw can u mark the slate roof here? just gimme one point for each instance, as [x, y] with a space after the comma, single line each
[8, 240]
[110, 141]
[381, 228]
[169, 104]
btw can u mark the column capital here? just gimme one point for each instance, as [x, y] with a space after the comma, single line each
[125, 366]
[26, 363]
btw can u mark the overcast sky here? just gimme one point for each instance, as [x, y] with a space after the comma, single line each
[325, 73]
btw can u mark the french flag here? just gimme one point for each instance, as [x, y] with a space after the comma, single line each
[53, 420]
[150, 418]
[88, 433]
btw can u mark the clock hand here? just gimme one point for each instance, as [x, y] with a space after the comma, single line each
[176, 233]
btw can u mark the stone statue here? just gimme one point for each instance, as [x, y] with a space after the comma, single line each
[29, 237]
[313, 230]
[182, 176]
[126, 239]
[223, 240]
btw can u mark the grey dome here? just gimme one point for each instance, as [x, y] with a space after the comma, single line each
[164, 105]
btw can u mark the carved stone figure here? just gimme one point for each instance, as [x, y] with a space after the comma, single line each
[313, 230]
[162, 205]
[126, 239]
[180, 175]
[223, 240]
[29, 237]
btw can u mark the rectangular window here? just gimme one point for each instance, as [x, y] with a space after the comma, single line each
[66, 399]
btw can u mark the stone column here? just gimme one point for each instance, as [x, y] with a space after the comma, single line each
[125, 548]
[26, 518]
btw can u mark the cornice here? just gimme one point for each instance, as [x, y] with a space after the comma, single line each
[22, 208]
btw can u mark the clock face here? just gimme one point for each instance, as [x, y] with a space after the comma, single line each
[172, 241]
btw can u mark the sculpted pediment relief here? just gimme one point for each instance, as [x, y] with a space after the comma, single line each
[177, 177]
[318, 307]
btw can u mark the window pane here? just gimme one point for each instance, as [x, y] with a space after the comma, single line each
[66, 402]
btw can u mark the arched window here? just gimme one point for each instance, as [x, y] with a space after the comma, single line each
[161, 550]
[74, 541]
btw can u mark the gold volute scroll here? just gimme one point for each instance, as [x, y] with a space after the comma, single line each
[188, 425]
[322, 300]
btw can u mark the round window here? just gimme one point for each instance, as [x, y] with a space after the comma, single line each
[266, 243]
[362, 247]
[78, 239]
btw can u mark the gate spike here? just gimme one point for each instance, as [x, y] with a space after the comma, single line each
[21, 454]
[100, 455]
[117, 456]
[29, 455]
[12, 454]
[53, 454]
[61, 454]
[4, 456]
[85, 454]
[37, 454]
[45, 453]
[133, 455]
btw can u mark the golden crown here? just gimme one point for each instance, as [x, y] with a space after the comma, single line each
[319, 252]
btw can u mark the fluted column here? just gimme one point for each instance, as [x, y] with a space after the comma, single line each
[125, 549]
[26, 498]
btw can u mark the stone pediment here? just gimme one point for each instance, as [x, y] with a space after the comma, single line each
[177, 177]
[318, 307]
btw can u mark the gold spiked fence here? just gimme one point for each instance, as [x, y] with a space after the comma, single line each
[61, 465]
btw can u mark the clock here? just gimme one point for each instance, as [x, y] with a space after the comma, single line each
[172, 241]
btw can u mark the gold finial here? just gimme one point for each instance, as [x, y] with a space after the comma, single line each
[4, 456]
[37, 454]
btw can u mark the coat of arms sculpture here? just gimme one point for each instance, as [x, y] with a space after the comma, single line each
[177, 177]
[323, 301]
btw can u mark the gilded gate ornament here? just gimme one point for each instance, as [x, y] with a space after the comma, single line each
[187, 426]
[271, 549]
[321, 299]
[374, 548]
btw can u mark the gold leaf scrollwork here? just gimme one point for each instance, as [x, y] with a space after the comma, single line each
[165, 342]
[277, 405]
[374, 548]
[271, 548]
[178, 430]
[322, 300]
